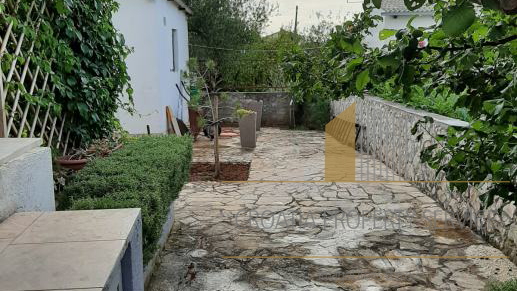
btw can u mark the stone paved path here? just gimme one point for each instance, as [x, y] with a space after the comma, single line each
[357, 232]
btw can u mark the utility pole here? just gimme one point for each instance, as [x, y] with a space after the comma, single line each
[296, 21]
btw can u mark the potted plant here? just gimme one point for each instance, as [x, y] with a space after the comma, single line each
[194, 115]
[254, 106]
[75, 161]
[98, 149]
[247, 127]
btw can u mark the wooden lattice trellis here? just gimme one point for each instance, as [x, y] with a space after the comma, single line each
[18, 116]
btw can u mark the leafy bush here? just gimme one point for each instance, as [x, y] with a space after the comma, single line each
[441, 101]
[147, 173]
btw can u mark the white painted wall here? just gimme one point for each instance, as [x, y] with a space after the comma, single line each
[26, 183]
[147, 27]
[396, 22]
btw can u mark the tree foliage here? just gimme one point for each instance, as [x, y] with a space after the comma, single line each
[506, 6]
[259, 65]
[231, 24]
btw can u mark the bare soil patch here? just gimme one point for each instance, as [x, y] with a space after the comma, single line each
[229, 172]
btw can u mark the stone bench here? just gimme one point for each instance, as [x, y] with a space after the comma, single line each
[72, 250]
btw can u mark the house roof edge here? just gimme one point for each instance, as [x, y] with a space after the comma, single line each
[182, 6]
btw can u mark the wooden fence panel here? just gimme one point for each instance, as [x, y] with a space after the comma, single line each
[19, 116]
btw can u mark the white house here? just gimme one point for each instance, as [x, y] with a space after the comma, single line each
[395, 16]
[157, 30]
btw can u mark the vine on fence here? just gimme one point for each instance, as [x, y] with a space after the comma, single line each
[76, 43]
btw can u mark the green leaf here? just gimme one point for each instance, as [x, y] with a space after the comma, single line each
[71, 81]
[389, 61]
[414, 129]
[83, 109]
[437, 38]
[478, 125]
[377, 3]
[61, 7]
[362, 80]
[459, 157]
[452, 141]
[467, 60]
[495, 166]
[358, 47]
[414, 4]
[346, 46]
[386, 33]
[353, 64]
[480, 33]
[458, 19]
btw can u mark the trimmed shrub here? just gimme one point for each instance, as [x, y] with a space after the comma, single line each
[147, 173]
[502, 286]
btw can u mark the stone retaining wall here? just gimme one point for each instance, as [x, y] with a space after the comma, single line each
[276, 110]
[386, 134]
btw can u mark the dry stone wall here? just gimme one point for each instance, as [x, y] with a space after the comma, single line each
[386, 134]
[276, 111]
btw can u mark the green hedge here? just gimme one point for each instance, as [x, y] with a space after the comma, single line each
[502, 286]
[146, 173]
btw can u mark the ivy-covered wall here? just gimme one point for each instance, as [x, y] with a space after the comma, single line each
[75, 43]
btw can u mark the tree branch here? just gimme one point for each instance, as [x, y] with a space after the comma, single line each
[484, 44]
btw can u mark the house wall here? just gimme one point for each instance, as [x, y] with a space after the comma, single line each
[147, 28]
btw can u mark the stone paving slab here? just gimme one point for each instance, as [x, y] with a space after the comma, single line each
[337, 236]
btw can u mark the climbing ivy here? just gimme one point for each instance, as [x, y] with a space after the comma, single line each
[75, 41]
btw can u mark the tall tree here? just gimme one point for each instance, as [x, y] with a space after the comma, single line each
[231, 24]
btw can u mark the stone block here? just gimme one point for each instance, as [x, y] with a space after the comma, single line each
[26, 182]
[248, 131]
[509, 213]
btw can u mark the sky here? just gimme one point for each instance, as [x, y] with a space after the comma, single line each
[308, 11]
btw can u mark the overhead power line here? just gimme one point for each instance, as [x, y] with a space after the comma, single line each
[246, 50]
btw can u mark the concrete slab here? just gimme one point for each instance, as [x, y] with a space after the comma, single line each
[17, 223]
[79, 250]
[49, 266]
[4, 243]
[90, 225]
[26, 182]
[11, 148]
